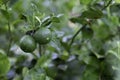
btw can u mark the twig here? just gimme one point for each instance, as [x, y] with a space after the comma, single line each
[40, 49]
[107, 5]
[86, 24]
[10, 37]
[9, 30]
[35, 56]
[73, 38]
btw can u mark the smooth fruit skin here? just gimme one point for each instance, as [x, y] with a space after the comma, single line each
[42, 36]
[4, 64]
[27, 43]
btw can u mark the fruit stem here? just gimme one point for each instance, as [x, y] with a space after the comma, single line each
[40, 50]
[35, 56]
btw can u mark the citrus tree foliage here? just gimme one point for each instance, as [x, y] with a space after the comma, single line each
[59, 39]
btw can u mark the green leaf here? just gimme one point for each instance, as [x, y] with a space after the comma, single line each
[65, 45]
[51, 71]
[91, 74]
[87, 33]
[46, 21]
[49, 19]
[20, 59]
[40, 77]
[117, 1]
[102, 31]
[91, 61]
[43, 61]
[78, 20]
[36, 74]
[115, 9]
[23, 17]
[17, 77]
[55, 43]
[85, 2]
[95, 45]
[4, 64]
[4, 13]
[115, 50]
[65, 55]
[55, 19]
[3, 1]
[92, 13]
[25, 71]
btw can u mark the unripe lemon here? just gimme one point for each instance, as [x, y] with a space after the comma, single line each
[42, 36]
[27, 43]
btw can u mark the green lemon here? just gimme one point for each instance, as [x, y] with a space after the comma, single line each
[42, 36]
[4, 64]
[27, 43]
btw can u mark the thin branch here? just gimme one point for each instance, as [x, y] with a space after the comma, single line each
[40, 50]
[10, 37]
[9, 31]
[73, 38]
[35, 56]
[86, 24]
[107, 5]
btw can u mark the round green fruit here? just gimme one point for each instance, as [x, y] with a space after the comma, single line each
[27, 43]
[42, 36]
[4, 64]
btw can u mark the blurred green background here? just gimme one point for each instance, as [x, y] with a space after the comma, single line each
[94, 54]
